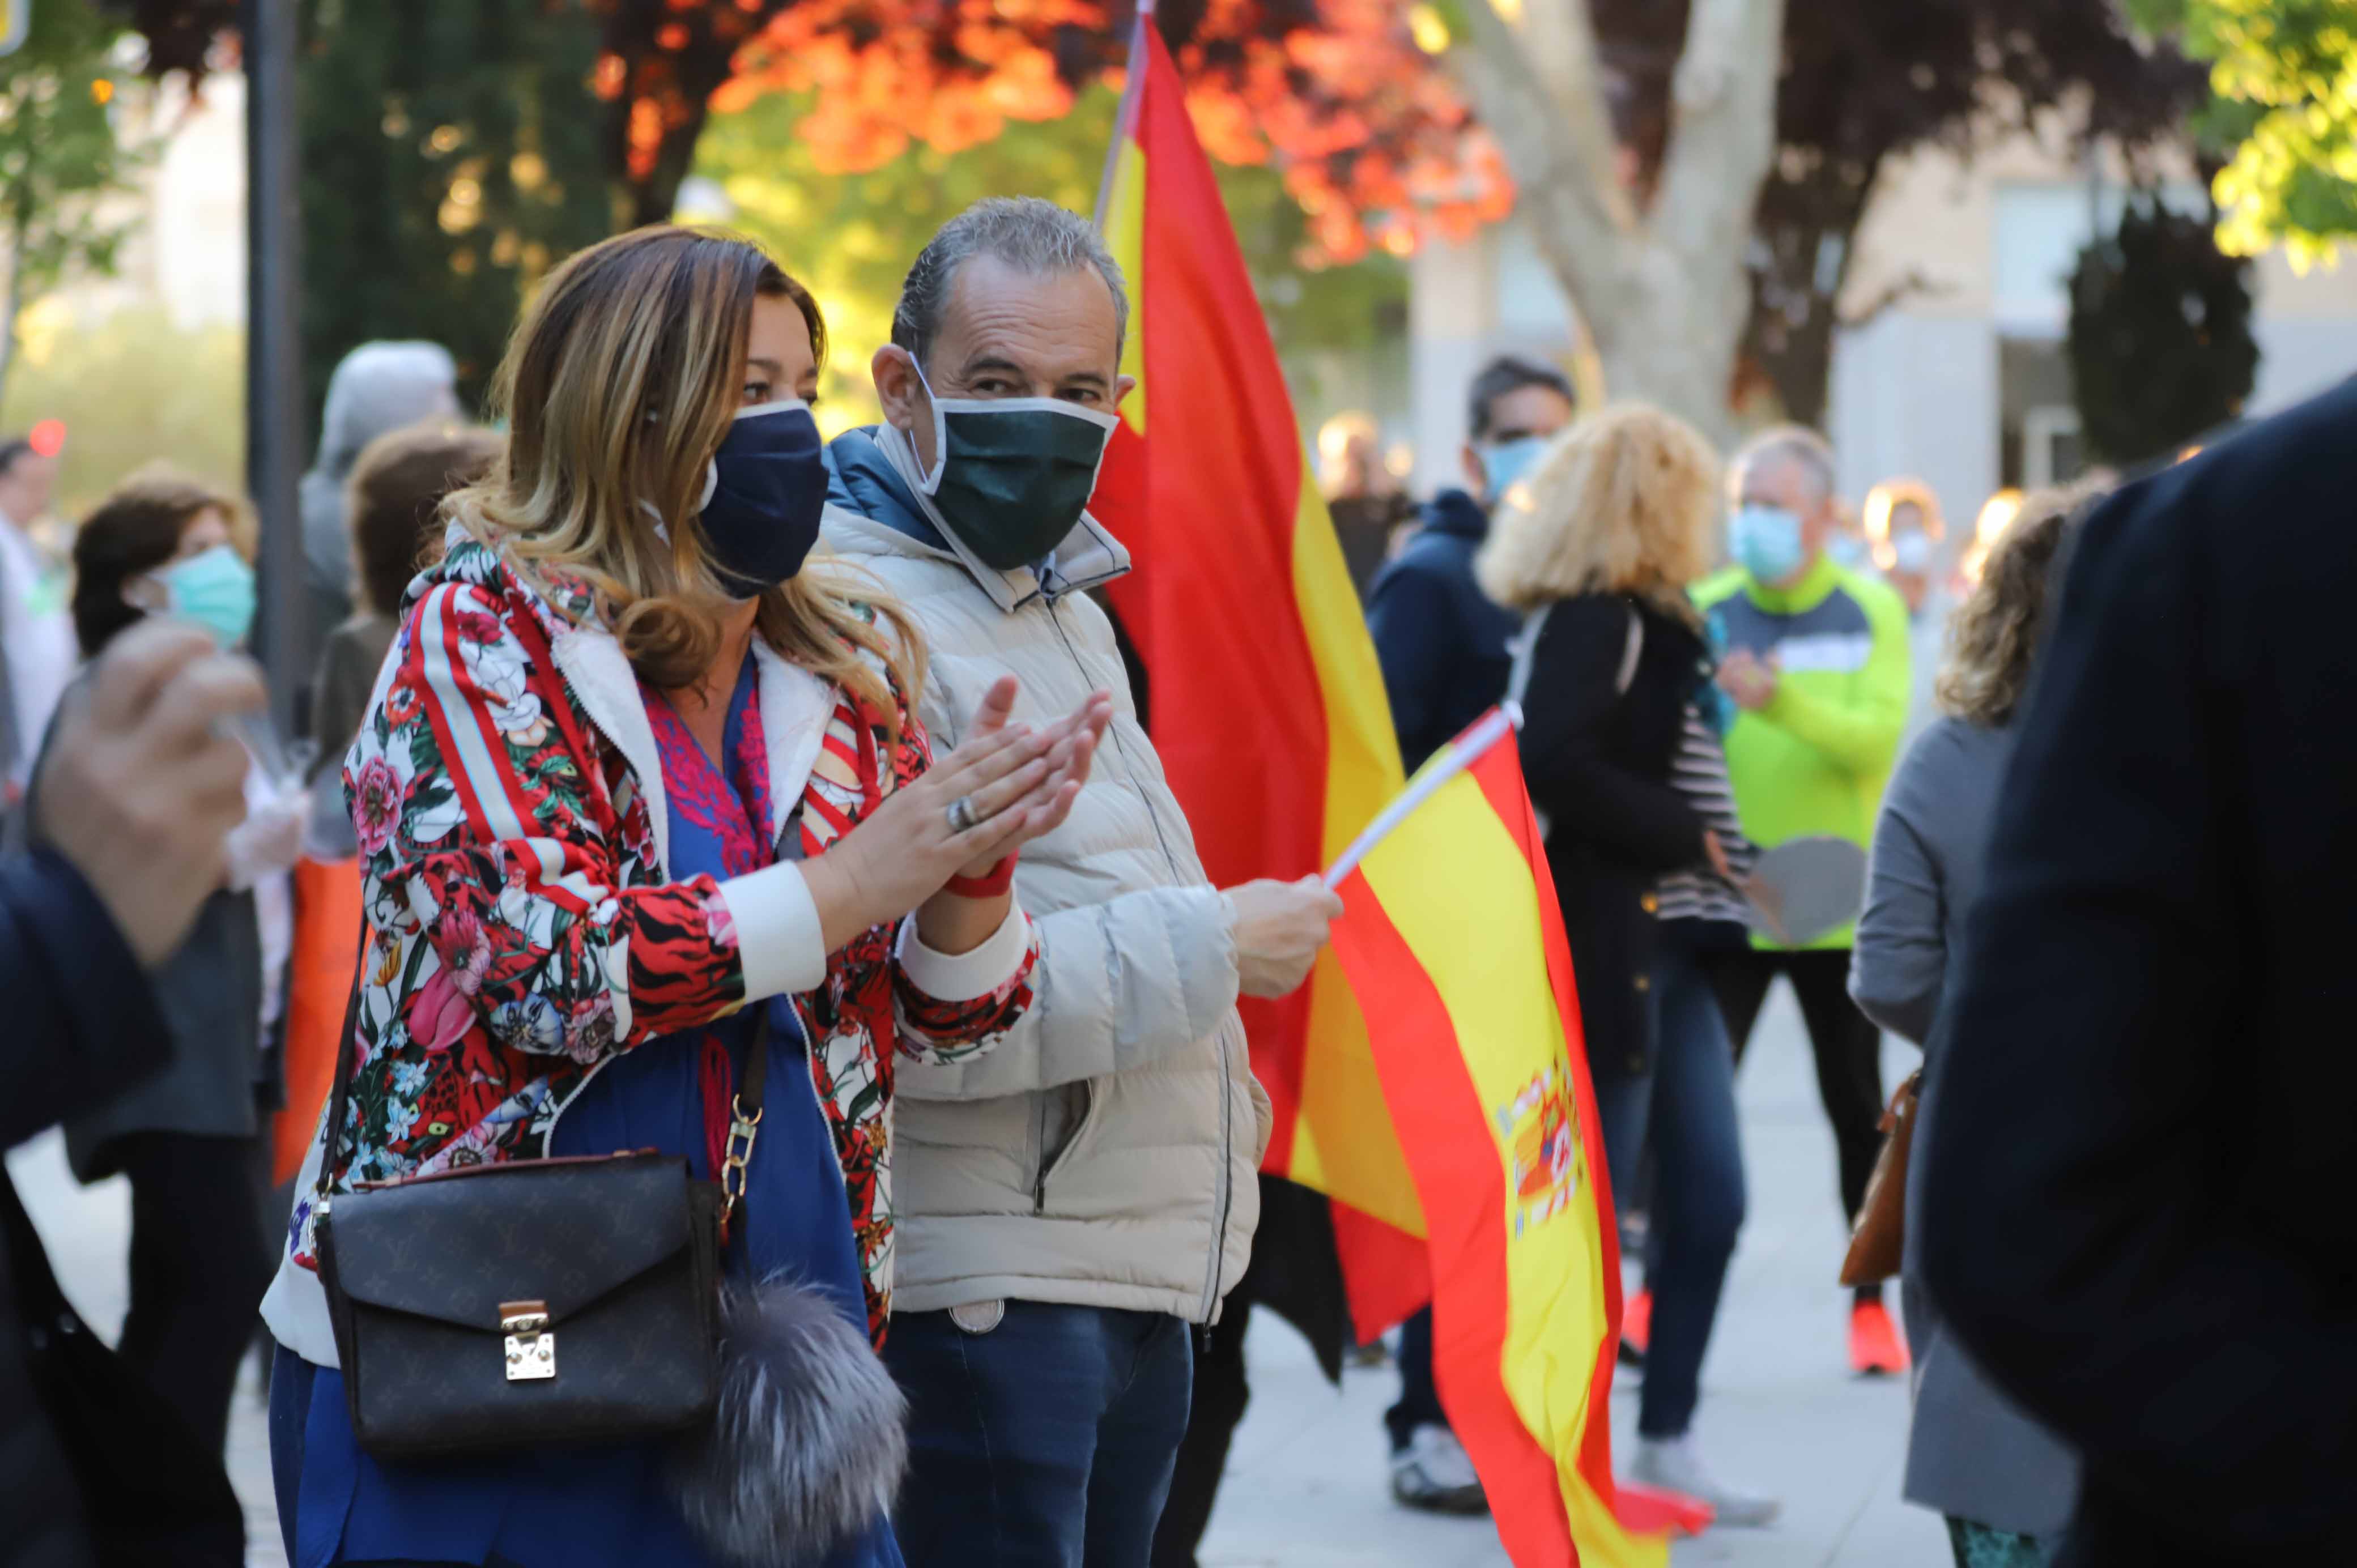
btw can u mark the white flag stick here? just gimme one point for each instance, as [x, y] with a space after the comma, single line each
[1461, 753]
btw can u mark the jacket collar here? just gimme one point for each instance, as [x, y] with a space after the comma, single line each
[872, 480]
[1813, 588]
[1456, 515]
[796, 706]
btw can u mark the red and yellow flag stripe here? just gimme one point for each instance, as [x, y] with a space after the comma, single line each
[1453, 942]
[1268, 706]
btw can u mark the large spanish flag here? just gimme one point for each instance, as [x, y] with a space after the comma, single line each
[1454, 943]
[1268, 707]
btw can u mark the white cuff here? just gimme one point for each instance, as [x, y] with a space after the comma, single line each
[776, 931]
[963, 977]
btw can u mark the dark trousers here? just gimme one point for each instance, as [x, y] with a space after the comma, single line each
[1046, 1442]
[1684, 1112]
[198, 1266]
[1847, 1047]
[1419, 1401]
[1221, 1392]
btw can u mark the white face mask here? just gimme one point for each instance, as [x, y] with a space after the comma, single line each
[1911, 553]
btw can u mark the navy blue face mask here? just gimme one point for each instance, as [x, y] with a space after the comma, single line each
[763, 496]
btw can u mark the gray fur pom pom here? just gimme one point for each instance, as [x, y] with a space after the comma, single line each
[809, 1441]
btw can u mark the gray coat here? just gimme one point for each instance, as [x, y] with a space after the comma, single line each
[209, 994]
[1972, 1451]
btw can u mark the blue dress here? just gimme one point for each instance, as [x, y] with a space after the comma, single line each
[604, 1507]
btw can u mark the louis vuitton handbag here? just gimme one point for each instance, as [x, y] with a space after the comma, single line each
[570, 1300]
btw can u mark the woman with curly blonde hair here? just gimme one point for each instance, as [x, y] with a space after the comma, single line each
[645, 820]
[2006, 1484]
[1595, 548]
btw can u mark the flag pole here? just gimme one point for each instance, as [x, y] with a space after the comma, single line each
[1462, 754]
[1133, 88]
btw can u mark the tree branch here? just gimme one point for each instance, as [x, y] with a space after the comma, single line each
[1564, 188]
[1558, 41]
[1724, 128]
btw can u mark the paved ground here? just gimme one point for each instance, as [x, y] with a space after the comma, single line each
[1307, 1488]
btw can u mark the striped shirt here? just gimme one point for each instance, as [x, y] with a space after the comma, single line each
[1698, 772]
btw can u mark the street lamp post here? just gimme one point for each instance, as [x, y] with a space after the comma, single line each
[273, 351]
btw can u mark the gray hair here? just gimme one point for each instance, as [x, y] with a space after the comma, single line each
[1795, 444]
[1032, 236]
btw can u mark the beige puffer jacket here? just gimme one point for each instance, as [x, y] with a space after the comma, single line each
[1104, 1154]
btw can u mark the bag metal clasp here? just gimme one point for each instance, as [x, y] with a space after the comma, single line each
[531, 1348]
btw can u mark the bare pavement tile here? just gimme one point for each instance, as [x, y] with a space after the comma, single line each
[1307, 1486]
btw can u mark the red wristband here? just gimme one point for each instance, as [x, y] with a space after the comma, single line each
[989, 885]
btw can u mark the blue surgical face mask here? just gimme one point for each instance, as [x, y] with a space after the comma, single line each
[1766, 542]
[1911, 553]
[763, 496]
[1503, 464]
[213, 588]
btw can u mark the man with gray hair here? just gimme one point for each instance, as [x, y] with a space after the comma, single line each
[1073, 1204]
[1814, 656]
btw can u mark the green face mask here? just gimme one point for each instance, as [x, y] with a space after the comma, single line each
[1011, 476]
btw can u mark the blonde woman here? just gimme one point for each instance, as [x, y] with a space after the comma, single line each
[1596, 549]
[2004, 1483]
[639, 774]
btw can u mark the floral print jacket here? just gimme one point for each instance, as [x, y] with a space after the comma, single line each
[521, 931]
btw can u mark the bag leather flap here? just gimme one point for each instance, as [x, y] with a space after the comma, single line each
[454, 1248]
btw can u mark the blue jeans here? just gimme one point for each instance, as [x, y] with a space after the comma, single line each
[1685, 1111]
[1047, 1442]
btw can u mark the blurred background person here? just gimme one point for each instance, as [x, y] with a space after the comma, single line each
[1818, 662]
[138, 789]
[1597, 547]
[36, 629]
[2003, 1482]
[189, 1139]
[376, 388]
[1443, 646]
[1904, 529]
[1362, 496]
[392, 508]
[2136, 1176]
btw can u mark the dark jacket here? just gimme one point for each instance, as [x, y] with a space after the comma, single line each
[1442, 643]
[81, 1025]
[2140, 1181]
[1597, 761]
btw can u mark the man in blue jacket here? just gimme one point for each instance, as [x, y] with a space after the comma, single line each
[1443, 647]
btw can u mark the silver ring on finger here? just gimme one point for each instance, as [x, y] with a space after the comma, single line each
[961, 815]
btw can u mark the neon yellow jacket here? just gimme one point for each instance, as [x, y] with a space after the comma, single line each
[1815, 759]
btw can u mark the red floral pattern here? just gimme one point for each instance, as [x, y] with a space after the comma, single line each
[523, 932]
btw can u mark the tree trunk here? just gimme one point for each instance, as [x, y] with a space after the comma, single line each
[15, 302]
[1664, 297]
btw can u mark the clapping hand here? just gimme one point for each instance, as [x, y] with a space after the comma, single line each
[1749, 678]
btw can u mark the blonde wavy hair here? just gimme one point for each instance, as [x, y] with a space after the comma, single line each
[1993, 638]
[1626, 501]
[619, 383]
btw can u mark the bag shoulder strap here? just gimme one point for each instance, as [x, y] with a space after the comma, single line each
[1527, 648]
[1631, 652]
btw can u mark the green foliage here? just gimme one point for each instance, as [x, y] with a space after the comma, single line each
[452, 151]
[851, 237]
[2159, 345]
[58, 155]
[2284, 74]
[131, 390]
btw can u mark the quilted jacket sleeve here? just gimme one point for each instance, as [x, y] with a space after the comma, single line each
[484, 826]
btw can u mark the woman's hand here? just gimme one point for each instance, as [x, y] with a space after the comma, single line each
[899, 856]
[1083, 729]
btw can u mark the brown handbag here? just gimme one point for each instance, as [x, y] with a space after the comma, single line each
[1879, 1239]
[533, 1301]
